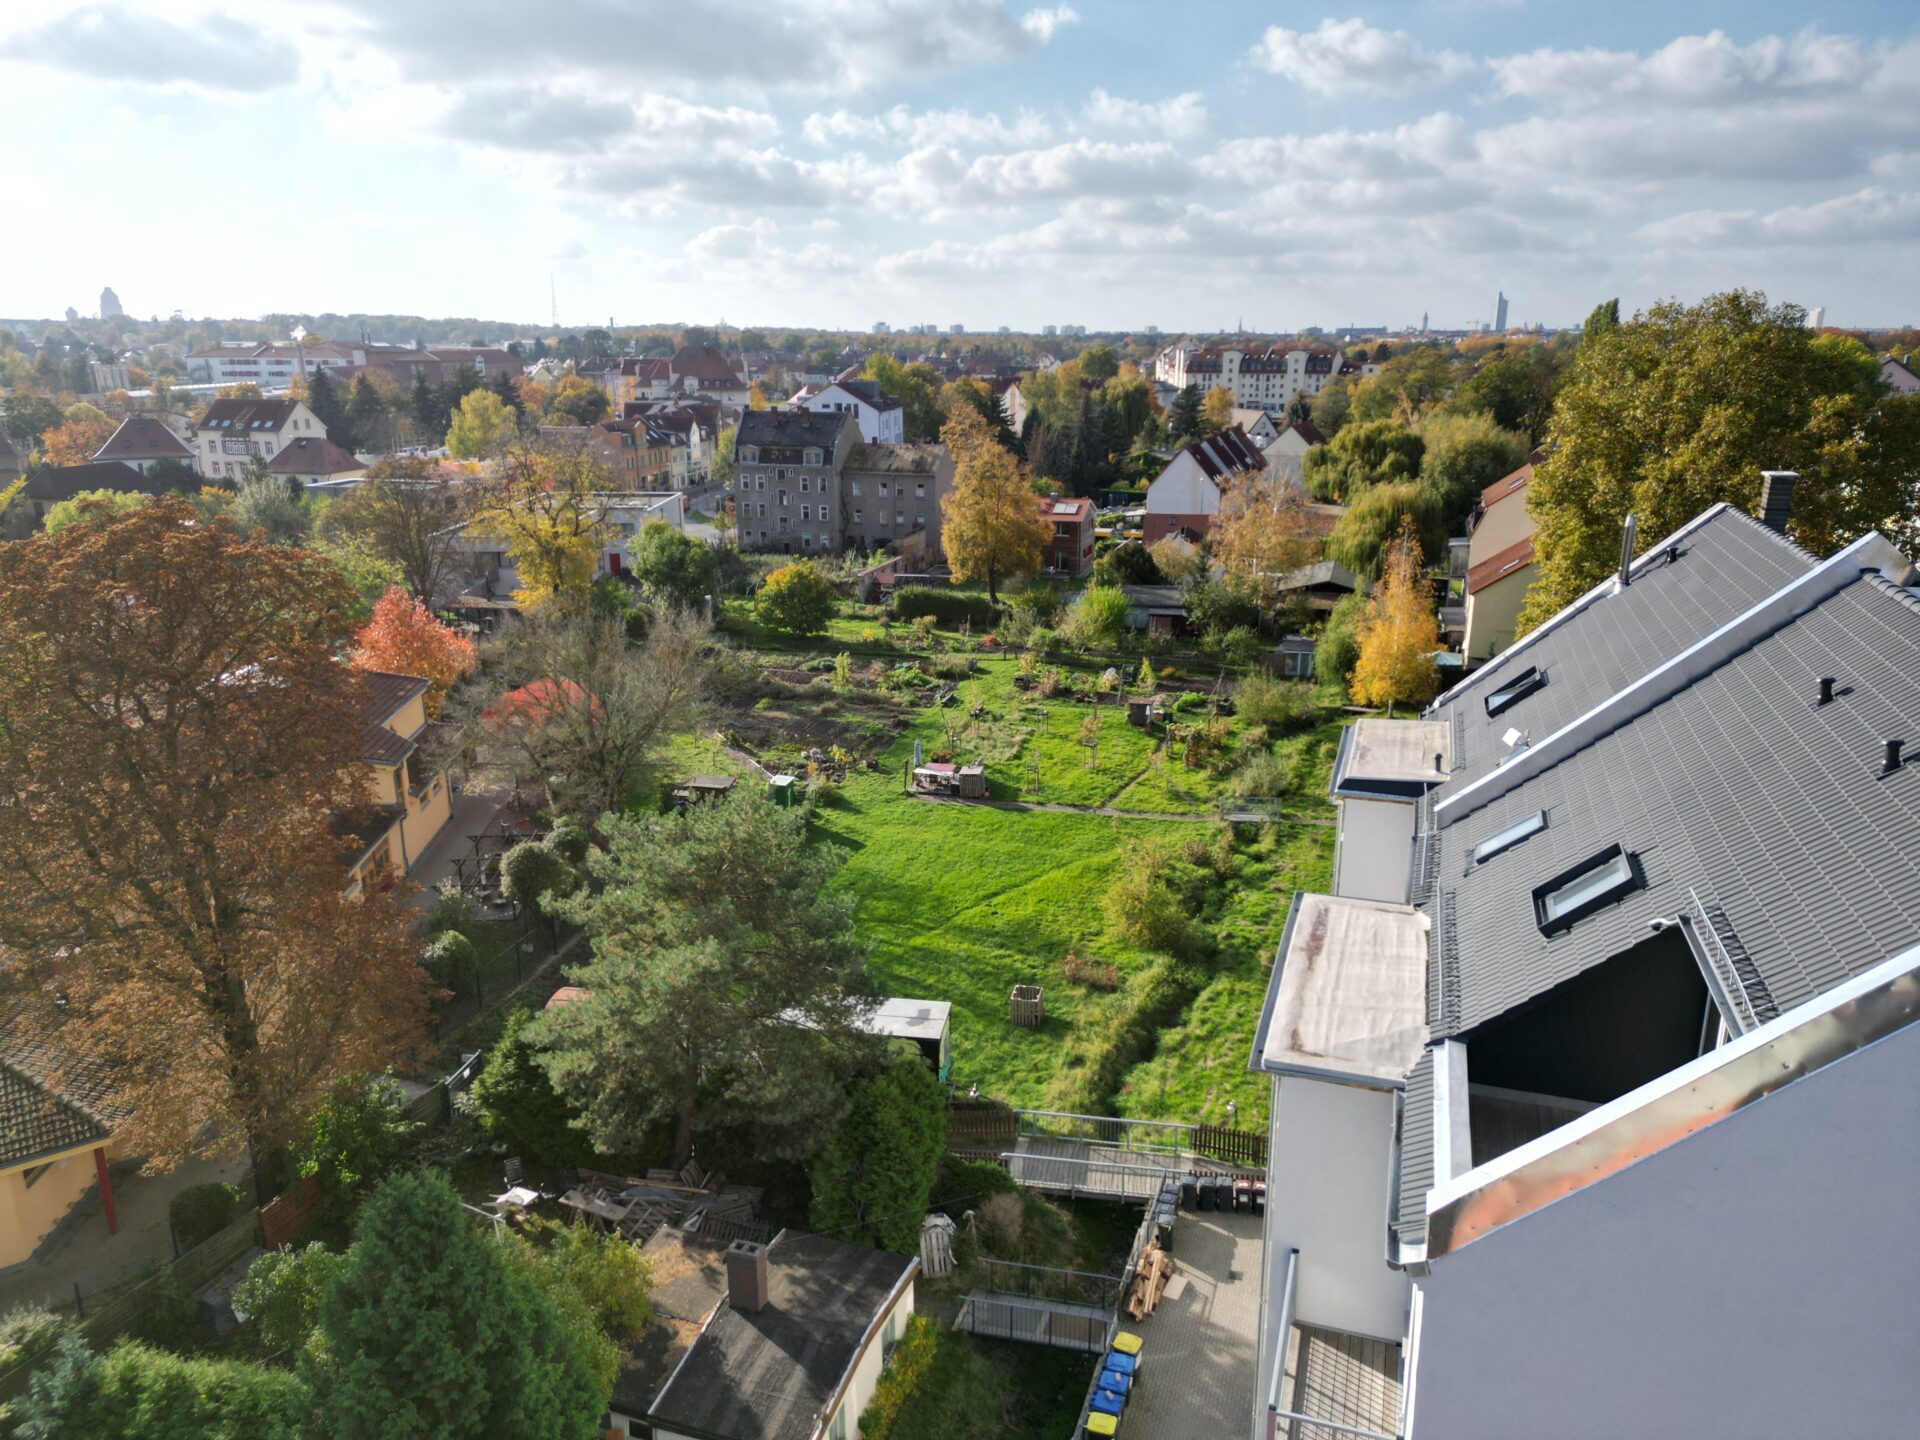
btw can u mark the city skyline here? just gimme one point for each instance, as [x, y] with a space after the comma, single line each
[995, 163]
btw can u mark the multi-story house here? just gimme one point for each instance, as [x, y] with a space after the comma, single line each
[411, 800]
[140, 440]
[1593, 1080]
[805, 483]
[1499, 565]
[233, 432]
[272, 365]
[698, 423]
[707, 370]
[881, 417]
[1186, 495]
[1069, 549]
[639, 451]
[1267, 379]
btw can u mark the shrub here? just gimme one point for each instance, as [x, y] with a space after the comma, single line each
[950, 667]
[951, 608]
[169, 1317]
[1130, 563]
[1001, 1222]
[451, 909]
[354, 1137]
[1261, 774]
[533, 873]
[1338, 650]
[1282, 707]
[906, 1373]
[1190, 703]
[963, 1184]
[1142, 904]
[871, 1183]
[1098, 618]
[282, 1292]
[26, 1334]
[569, 839]
[449, 958]
[1082, 970]
[144, 1391]
[200, 1212]
[518, 1104]
[61, 1388]
[798, 599]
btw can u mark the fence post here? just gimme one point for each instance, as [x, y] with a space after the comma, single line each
[79, 1307]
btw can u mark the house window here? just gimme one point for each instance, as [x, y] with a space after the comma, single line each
[823, 512]
[920, 491]
[785, 498]
[1515, 690]
[803, 484]
[899, 518]
[856, 489]
[813, 457]
[838, 1429]
[780, 473]
[1591, 885]
[750, 455]
[883, 489]
[856, 512]
[763, 509]
[760, 482]
[806, 512]
[1511, 836]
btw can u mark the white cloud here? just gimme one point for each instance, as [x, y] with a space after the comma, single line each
[1695, 70]
[904, 126]
[1043, 23]
[1183, 117]
[142, 49]
[1349, 56]
[1866, 217]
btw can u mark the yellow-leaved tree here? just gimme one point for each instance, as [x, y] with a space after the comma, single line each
[483, 426]
[1264, 531]
[991, 526]
[1217, 410]
[1398, 632]
[548, 507]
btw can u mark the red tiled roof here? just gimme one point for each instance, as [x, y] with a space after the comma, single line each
[707, 364]
[1516, 556]
[313, 455]
[1501, 489]
[1306, 430]
[1065, 507]
[1228, 453]
[142, 437]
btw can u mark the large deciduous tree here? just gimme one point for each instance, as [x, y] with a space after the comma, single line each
[991, 527]
[78, 438]
[916, 387]
[410, 510]
[1263, 531]
[1398, 632]
[1685, 405]
[482, 427]
[724, 987]
[548, 505]
[673, 567]
[403, 637]
[177, 734]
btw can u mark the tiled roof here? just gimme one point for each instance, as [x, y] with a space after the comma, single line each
[913, 458]
[1727, 561]
[387, 692]
[707, 364]
[63, 482]
[1500, 564]
[246, 416]
[49, 1101]
[1416, 1152]
[313, 455]
[1228, 453]
[1506, 485]
[793, 426]
[141, 437]
[869, 392]
[1750, 806]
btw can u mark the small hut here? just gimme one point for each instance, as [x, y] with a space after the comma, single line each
[782, 789]
[1145, 710]
[937, 777]
[972, 782]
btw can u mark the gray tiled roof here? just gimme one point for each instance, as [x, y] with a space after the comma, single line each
[1728, 562]
[766, 1375]
[793, 426]
[1738, 789]
[1416, 1152]
[50, 1101]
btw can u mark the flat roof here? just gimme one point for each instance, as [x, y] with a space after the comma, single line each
[910, 1019]
[1393, 758]
[1348, 1000]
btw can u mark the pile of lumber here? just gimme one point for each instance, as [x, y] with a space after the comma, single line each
[1150, 1279]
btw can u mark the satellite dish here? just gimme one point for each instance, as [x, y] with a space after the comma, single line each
[1513, 737]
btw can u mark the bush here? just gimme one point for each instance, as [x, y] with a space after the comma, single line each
[144, 1391]
[907, 1372]
[798, 599]
[964, 1183]
[518, 1104]
[532, 872]
[1192, 702]
[1338, 651]
[568, 839]
[1098, 618]
[354, 1137]
[950, 608]
[950, 667]
[1128, 564]
[26, 1334]
[449, 958]
[282, 1292]
[871, 1183]
[200, 1212]
[1142, 904]
[1282, 707]
[451, 909]
[1095, 975]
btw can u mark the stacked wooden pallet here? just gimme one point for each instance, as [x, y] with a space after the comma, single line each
[1150, 1277]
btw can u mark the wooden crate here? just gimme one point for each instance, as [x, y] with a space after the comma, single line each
[1028, 1006]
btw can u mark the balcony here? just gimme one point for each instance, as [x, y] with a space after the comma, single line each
[1321, 1383]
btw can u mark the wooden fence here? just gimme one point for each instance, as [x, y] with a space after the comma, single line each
[981, 1125]
[1234, 1147]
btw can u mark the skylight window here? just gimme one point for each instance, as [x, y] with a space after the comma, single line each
[1591, 885]
[1516, 690]
[1511, 836]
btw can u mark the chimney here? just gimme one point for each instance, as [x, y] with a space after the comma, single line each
[747, 1284]
[1826, 690]
[1776, 498]
[1892, 762]
[1625, 577]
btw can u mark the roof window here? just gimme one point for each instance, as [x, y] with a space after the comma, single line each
[1516, 690]
[1511, 836]
[1591, 885]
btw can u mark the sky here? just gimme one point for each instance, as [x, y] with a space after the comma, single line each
[1105, 163]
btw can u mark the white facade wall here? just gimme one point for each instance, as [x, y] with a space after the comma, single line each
[1373, 850]
[1183, 488]
[1327, 1196]
[877, 426]
[1756, 1278]
[223, 454]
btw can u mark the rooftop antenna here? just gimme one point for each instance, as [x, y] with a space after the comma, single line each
[1625, 576]
[553, 296]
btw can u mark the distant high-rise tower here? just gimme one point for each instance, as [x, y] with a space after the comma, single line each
[1816, 317]
[1500, 314]
[1423, 322]
[110, 304]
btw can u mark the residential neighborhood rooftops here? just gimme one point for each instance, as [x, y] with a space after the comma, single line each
[1348, 998]
[913, 458]
[314, 455]
[708, 364]
[688, 1278]
[1229, 452]
[50, 1101]
[1507, 485]
[869, 392]
[143, 437]
[791, 426]
[62, 482]
[769, 1374]
[247, 416]
[1500, 564]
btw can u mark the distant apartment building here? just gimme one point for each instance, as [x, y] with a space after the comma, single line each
[638, 451]
[882, 418]
[806, 483]
[1267, 380]
[233, 432]
[273, 365]
[105, 375]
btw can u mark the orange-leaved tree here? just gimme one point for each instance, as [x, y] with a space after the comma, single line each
[78, 439]
[178, 740]
[1398, 632]
[403, 637]
[991, 523]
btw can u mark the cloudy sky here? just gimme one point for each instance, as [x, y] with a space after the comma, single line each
[1111, 163]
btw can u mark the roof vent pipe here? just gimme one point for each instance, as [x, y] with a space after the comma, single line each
[1892, 762]
[1625, 577]
[1826, 690]
[1776, 498]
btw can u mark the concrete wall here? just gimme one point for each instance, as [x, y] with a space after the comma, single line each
[27, 1213]
[1373, 852]
[1327, 1196]
[1493, 614]
[1756, 1278]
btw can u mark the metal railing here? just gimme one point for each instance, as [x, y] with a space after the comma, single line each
[1147, 1137]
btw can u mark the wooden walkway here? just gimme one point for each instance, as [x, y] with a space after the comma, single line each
[1083, 1168]
[1059, 1323]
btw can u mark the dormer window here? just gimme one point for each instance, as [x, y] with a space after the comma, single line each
[750, 455]
[813, 457]
[1591, 885]
[1516, 690]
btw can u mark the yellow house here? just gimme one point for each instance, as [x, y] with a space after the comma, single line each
[56, 1138]
[412, 801]
[1499, 566]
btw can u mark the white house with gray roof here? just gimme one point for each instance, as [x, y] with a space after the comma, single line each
[1612, 1121]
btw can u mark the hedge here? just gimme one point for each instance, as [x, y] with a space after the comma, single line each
[948, 607]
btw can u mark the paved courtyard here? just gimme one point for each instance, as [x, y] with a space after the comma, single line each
[1199, 1360]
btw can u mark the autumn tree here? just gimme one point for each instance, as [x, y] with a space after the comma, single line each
[410, 510]
[1683, 406]
[1217, 409]
[1263, 531]
[916, 387]
[991, 528]
[1398, 632]
[403, 637]
[482, 427]
[571, 703]
[78, 438]
[178, 737]
[548, 506]
[576, 400]
[797, 598]
[724, 986]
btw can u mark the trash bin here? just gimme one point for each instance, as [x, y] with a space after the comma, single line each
[1127, 1343]
[1259, 1197]
[1106, 1402]
[1242, 1196]
[1113, 1380]
[1100, 1425]
[1127, 1365]
[1189, 1193]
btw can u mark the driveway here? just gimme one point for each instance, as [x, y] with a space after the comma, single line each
[81, 1252]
